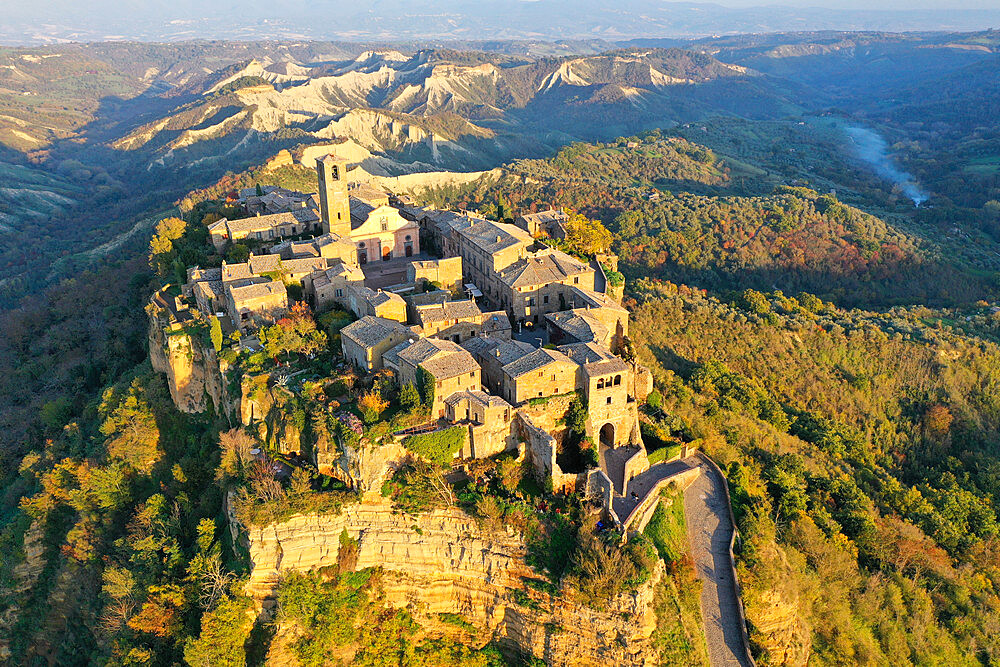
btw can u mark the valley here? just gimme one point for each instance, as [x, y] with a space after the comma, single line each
[789, 247]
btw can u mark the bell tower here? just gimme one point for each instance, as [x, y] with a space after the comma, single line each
[334, 202]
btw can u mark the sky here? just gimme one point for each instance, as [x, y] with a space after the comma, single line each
[40, 21]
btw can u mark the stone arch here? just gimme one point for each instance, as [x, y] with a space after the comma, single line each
[618, 380]
[608, 435]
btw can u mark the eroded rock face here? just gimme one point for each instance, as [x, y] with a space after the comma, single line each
[779, 629]
[443, 563]
[193, 372]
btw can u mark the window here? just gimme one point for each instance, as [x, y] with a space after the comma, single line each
[553, 377]
[340, 292]
[540, 373]
[408, 238]
[576, 279]
[618, 380]
[472, 374]
[545, 299]
[609, 400]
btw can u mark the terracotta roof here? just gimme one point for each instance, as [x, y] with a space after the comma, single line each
[231, 272]
[441, 358]
[595, 359]
[477, 396]
[581, 298]
[262, 222]
[504, 351]
[495, 321]
[543, 217]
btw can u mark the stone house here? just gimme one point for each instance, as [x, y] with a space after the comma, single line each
[365, 342]
[536, 285]
[362, 301]
[493, 353]
[451, 366]
[486, 248]
[601, 307]
[264, 227]
[329, 246]
[326, 288]
[550, 223]
[538, 374]
[447, 272]
[250, 304]
[454, 320]
[205, 287]
[488, 418]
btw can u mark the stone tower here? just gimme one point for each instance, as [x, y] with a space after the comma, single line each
[334, 203]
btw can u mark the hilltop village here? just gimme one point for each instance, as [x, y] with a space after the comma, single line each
[512, 344]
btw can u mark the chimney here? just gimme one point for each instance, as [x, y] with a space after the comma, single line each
[258, 214]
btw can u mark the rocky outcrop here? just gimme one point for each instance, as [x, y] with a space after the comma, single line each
[442, 562]
[193, 370]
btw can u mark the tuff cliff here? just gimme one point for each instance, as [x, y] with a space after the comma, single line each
[442, 562]
[194, 372]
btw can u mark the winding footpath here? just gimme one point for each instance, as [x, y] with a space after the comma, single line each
[710, 531]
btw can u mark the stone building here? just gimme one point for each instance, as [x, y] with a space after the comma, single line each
[451, 366]
[493, 353]
[326, 288]
[365, 342]
[364, 301]
[205, 287]
[489, 419]
[536, 285]
[274, 199]
[605, 380]
[254, 303]
[460, 320]
[550, 223]
[454, 320]
[328, 246]
[263, 228]
[538, 374]
[446, 272]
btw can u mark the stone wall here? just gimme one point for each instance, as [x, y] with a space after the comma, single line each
[442, 562]
[639, 518]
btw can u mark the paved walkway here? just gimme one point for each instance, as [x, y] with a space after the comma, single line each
[642, 483]
[709, 532]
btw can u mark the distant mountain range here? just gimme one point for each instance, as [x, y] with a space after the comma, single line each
[394, 20]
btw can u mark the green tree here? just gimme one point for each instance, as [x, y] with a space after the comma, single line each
[409, 397]
[224, 633]
[216, 333]
[586, 236]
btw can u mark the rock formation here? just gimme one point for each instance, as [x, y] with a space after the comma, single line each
[442, 562]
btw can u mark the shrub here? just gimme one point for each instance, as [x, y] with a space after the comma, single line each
[371, 406]
[439, 447]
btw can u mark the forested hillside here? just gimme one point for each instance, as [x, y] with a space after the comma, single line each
[860, 451]
[792, 238]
